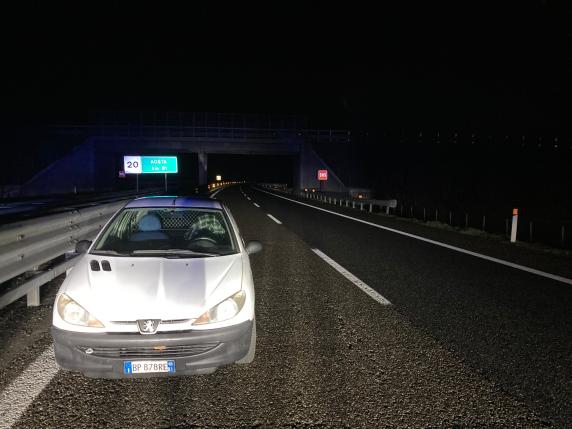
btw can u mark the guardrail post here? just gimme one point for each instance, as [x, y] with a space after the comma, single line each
[530, 230]
[370, 207]
[33, 297]
[353, 204]
[361, 209]
[335, 201]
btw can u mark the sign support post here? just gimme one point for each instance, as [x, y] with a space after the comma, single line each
[165, 182]
[137, 182]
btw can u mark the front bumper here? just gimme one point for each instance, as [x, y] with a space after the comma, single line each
[194, 352]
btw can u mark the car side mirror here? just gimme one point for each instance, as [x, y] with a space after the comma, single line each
[253, 247]
[82, 246]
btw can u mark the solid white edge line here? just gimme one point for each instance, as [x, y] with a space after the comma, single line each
[436, 243]
[273, 218]
[215, 192]
[21, 392]
[256, 205]
[363, 286]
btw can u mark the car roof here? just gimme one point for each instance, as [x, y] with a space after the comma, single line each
[175, 201]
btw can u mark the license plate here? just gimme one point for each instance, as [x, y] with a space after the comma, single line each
[148, 366]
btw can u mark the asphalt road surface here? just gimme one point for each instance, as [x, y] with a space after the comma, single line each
[464, 342]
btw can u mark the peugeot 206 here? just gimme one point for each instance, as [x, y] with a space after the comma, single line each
[164, 289]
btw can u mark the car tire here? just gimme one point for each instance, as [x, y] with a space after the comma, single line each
[249, 357]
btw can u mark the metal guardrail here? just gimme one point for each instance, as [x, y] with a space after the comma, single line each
[361, 204]
[27, 245]
[370, 205]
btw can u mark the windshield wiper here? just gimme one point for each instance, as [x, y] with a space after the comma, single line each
[173, 253]
[109, 252]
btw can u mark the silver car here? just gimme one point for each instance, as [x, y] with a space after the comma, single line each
[165, 289]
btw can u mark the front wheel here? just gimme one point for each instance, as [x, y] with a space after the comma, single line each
[252, 350]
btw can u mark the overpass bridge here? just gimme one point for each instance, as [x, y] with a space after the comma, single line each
[94, 165]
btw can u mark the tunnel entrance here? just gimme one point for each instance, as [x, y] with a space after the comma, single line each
[253, 168]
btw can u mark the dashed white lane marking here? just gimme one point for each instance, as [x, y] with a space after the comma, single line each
[17, 397]
[248, 198]
[273, 218]
[256, 205]
[436, 243]
[363, 286]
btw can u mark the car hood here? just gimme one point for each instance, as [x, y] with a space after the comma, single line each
[152, 287]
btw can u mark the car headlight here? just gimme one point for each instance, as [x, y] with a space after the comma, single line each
[73, 313]
[225, 310]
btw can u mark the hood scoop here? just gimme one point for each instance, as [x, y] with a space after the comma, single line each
[105, 265]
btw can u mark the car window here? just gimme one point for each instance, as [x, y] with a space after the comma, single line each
[136, 230]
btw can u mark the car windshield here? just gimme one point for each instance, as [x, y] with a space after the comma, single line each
[167, 232]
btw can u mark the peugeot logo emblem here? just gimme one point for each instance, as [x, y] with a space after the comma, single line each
[148, 326]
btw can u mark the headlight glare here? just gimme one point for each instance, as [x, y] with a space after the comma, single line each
[75, 314]
[224, 310]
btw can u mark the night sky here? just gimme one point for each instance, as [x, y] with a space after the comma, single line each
[465, 67]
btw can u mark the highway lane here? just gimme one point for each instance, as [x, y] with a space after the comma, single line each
[511, 326]
[327, 355]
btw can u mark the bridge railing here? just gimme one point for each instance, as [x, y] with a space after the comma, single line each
[166, 131]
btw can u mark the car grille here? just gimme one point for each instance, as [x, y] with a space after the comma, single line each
[148, 352]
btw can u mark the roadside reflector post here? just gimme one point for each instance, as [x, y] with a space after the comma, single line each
[484, 220]
[353, 204]
[386, 210]
[361, 208]
[370, 207]
[562, 236]
[450, 218]
[466, 220]
[514, 225]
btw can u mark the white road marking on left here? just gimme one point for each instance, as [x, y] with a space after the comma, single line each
[17, 397]
[256, 204]
[273, 218]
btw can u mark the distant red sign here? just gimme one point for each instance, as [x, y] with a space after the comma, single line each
[322, 174]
